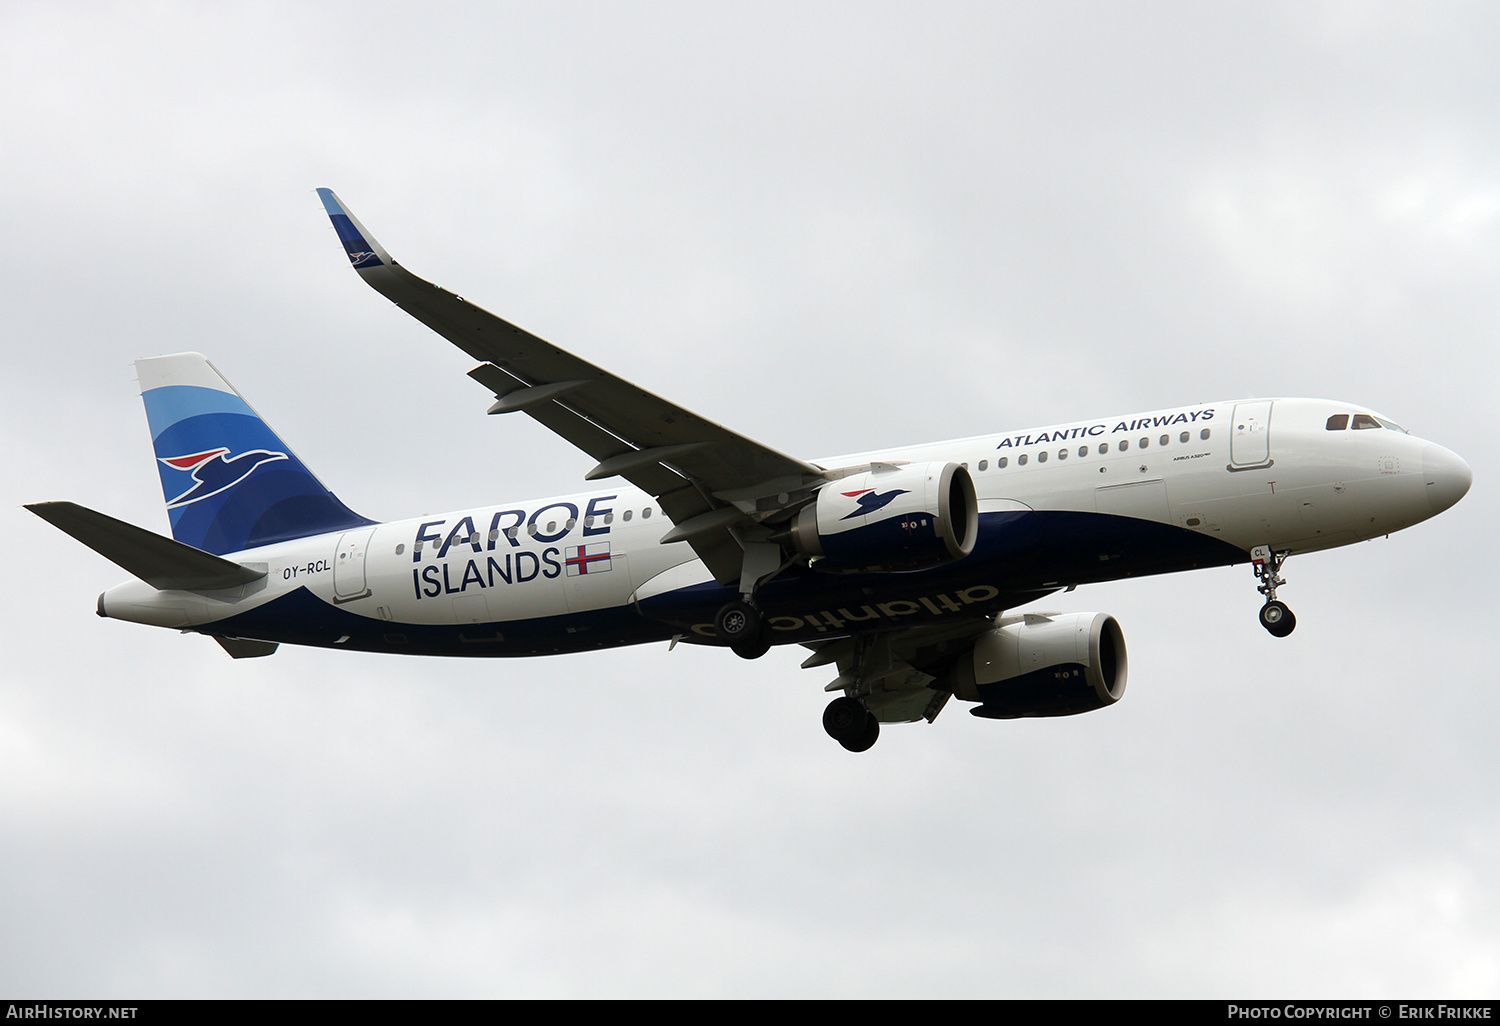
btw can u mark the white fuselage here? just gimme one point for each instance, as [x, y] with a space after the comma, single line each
[1245, 473]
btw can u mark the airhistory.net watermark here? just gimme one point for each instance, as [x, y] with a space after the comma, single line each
[47, 1010]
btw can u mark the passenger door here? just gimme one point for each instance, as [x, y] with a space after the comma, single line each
[1250, 437]
[349, 565]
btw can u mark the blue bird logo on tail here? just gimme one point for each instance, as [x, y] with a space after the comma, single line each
[214, 471]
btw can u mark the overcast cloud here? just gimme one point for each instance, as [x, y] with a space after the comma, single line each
[833, 227]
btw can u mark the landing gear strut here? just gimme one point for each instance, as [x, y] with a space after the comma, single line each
[1275, 617]
[850, 724]
[738, 624]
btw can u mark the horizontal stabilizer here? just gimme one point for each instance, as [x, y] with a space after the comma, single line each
[161, 562]
[246, 648]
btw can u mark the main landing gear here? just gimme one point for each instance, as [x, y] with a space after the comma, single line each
[1275, 617]
[850, 724]
[739, 623]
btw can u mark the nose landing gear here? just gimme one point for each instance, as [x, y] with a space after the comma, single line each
[1275, 617]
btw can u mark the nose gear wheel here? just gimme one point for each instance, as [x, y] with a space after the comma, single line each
[1278, 619]
[1275, 617]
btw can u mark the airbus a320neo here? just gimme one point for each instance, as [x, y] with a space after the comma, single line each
[899, 569]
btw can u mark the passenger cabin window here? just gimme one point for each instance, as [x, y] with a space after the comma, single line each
[1002, 462]
[1184, 436]
[1062, 454]
[1103, 448]
[1083, 450]
[1021, 460]
[984, 464]
[1041, 457]
[1363, 421]
[1203, 434]
[1124, 444]
[1338, 422]
[1164, 440]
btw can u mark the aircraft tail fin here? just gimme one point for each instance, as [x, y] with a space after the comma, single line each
[229, 481]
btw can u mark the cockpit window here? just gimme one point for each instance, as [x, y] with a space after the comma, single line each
[1363, 421]
[1393, 426]
[1338, 422]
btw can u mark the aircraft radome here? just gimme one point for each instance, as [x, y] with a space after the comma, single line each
[898, 569]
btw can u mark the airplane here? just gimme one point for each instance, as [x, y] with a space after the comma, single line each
[901, 569]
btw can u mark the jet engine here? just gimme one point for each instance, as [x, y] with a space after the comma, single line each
[890, 517]
[1041, 664]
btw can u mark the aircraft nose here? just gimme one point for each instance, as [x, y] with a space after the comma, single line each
[1446, 476]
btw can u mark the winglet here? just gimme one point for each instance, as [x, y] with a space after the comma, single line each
[364, 252]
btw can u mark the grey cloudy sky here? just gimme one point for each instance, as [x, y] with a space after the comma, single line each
[832, 226]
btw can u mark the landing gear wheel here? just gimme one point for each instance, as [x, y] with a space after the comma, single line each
[845, 719]
[752, 648]
[737, 622]
[866, 740]
[850, 724]
[1277, 618]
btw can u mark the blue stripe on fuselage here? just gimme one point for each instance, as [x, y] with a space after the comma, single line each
[1019, 557]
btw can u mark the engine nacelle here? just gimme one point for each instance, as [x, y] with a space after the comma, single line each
[1055, 664]
[891, 518]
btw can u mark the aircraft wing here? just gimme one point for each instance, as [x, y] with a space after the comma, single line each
[707, 478]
